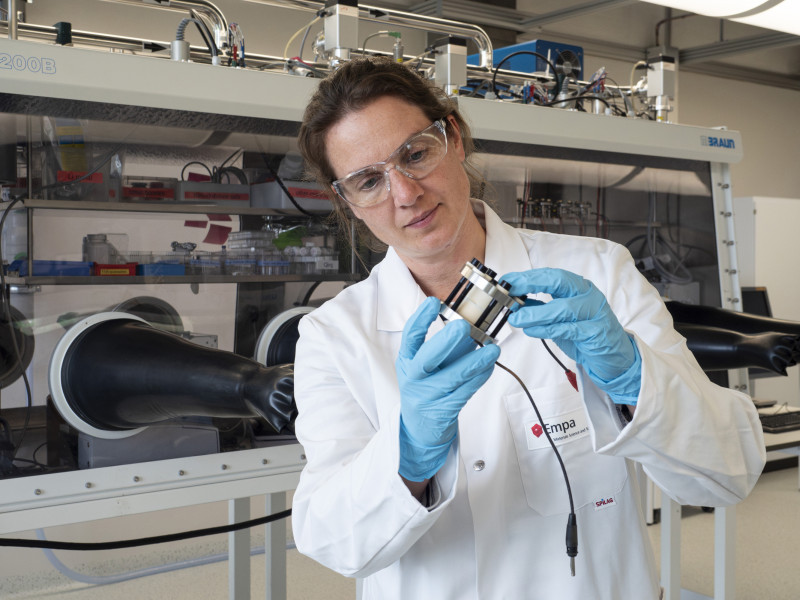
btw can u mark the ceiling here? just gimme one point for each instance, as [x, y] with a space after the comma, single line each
[625, 30]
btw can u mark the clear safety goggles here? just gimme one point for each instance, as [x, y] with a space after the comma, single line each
[416, 158]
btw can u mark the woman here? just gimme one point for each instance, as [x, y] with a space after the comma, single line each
[427, 472]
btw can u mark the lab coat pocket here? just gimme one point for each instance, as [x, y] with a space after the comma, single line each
[593, 477]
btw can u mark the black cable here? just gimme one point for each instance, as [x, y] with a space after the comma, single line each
[227, 160]
[196, 162]
[307, 297]
[286, 191]
[208, 38]
[158, 539]
[303, 42]
[572, 526]
[296, 61]
[555, 358]
[477, 88]
[429, 50]
[578, 97]
[33, 454]
[7, 313]
[279, 181]
[619, 91]
[227, 171]
[537, 55]
[203, 35]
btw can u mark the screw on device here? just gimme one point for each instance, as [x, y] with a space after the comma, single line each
[481, 301]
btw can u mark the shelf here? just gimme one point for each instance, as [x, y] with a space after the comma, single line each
[170, 279]
[161, 207]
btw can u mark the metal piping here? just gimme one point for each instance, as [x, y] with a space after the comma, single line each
[47, 33]
[203, 9]
[435, 24]
[749, 44]
[200, 53]
[12, 19]
[410, 20]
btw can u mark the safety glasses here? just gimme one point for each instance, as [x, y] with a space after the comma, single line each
[416, 158]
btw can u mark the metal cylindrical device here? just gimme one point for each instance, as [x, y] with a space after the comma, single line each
[341, 28]
[481, 301]
[398, 51]
[180, 50]
[451, 64]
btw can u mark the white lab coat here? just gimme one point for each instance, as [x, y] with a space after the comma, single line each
[497, 526]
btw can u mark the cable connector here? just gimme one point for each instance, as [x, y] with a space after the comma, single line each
[572, 378]
[572, 541]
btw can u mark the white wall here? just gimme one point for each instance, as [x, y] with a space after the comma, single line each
[767, 117]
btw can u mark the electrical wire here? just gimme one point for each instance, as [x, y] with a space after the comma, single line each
[291, 62]
[668, 20]
[572, 526]
[139, 573]
[312, 288]
[557, 79]
[282, 185]
[431, 49]
[145, 541]
[179, 35]
[617, 87]
[385, 32]
[236, 43]
[208, 38]
[196, 162]
[227, 160]
[5, 301]
[580, 97]
[303, 42]
[298, 32]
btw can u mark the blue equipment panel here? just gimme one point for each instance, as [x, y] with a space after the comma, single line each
[563, 56]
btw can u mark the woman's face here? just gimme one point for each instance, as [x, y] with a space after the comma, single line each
[423, 219]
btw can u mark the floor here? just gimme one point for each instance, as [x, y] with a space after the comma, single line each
[767, 556]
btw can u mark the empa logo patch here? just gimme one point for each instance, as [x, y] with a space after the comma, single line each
[717, 142]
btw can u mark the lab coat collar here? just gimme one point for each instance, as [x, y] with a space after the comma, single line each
[505, 251]
[399, 295]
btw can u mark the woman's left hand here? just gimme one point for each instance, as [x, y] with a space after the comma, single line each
[580, 321]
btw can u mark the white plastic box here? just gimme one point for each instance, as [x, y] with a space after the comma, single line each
[307, 194]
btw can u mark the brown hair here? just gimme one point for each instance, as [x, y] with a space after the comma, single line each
[349, 89]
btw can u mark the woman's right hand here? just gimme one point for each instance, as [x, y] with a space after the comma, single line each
[436, 378]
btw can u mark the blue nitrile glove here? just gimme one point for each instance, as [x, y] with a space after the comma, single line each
[580, 321]
[436, 379]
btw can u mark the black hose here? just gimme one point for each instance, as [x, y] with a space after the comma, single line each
[537, 55]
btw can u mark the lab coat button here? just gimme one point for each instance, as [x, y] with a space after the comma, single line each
[478, 465]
